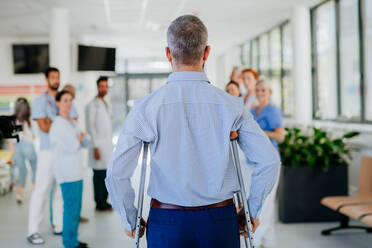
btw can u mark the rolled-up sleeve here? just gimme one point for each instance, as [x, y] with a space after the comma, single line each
[265, 160]
[38, 109]
[122, 165]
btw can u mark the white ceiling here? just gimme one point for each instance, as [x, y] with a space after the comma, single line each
[138, 27]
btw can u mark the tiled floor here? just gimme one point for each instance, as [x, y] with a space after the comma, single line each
[104, 230]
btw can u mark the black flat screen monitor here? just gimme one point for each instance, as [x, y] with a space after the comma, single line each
[30, 58]
[92, 58]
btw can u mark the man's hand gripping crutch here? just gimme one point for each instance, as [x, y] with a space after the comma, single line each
[247, 224]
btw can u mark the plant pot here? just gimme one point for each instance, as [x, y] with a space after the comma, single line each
[301, 189]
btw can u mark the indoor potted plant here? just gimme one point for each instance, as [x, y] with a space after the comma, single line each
[313, 166]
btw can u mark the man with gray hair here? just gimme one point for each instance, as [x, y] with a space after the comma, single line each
[188, 123]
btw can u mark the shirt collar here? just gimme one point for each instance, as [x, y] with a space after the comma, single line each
[188, 76]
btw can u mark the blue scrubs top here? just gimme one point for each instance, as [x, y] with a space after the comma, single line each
[45, 107]
[269, 118]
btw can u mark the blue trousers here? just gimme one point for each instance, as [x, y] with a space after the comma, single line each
[25, 151]
[72, 193]
[208, 228]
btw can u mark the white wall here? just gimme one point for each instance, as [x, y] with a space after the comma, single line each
[85, 82]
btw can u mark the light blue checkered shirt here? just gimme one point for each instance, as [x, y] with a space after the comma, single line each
[188, 122]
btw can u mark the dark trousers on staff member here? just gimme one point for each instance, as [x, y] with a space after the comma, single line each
[185, 228]
[100, 191]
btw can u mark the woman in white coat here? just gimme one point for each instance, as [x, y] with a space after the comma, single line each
[66, 139]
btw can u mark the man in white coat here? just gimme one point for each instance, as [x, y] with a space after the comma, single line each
[99, 127]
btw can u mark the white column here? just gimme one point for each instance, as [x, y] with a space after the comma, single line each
[301, 38]
[59, 43]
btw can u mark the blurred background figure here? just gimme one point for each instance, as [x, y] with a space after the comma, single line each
[236, 76]
[233, 89]
[66, 139]
[98, 122]
[270, 120]
[249, 80]
[24, 149]
[72, 90]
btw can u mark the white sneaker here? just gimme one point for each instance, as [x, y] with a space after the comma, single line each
[35, 239]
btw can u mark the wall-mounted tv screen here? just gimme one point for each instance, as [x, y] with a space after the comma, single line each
[30, 58]
[92, 58]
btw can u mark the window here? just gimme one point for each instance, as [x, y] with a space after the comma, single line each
[271, 55]
[275, 66]
[245, 54]
[337, 56]
[325, 78]
[350, 98]
[287, 84]
[263, 57]
[367, 89]
[254, 54]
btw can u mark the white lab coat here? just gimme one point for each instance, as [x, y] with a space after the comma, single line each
[99, 128]
[65, 150]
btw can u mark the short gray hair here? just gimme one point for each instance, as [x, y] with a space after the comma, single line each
[187, 39]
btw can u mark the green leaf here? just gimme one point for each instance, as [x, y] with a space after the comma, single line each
[350, 134]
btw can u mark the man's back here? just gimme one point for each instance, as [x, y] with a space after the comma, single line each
[191, 122]
[188, 124]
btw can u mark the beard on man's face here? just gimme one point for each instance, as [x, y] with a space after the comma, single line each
[53, 86]
[102, 93]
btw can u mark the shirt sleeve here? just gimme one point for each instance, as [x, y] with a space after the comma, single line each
[275, 118]
[260, 154]
[122, 165]
[38, 110]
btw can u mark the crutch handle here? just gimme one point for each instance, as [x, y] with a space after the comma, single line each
[234, 135]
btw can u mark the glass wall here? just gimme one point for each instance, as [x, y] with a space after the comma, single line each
[287, 84]
[325, 78]
[263, 55]
[271, 55]
[340, 91]
[367, 23]
[350, 97]
[254, 54]
[275, 58]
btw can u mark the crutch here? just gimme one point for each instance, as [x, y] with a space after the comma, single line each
[238, 202]
[140, 194]
[242, 193]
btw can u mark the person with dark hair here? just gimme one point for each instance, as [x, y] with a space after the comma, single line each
[66, 139]
[44, 111]
[188, 123]
[52, 70]
[24, 149]
[233, 89]
[101, 79]
[98, 123]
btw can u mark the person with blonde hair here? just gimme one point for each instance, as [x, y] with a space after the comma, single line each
[269, 118]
